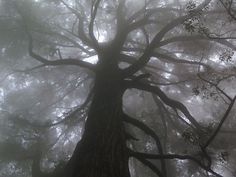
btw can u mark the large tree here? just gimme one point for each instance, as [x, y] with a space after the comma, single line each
[131, 87]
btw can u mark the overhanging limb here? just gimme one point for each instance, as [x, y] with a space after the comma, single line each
[149, 132]
[168, 101]
[140, 155]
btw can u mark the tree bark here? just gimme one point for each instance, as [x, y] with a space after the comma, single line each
[102, 151]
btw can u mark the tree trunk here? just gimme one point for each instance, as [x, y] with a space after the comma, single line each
[102, 150]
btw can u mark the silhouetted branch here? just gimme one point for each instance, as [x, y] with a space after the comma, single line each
[94, 9]
[168, 101]
[131, 60]
[120, 14]
[146, 13]
[150, 132]
[30, 69]
[69, 115]
[157, 102]
[164, 58]
[171, 59]
[197, 38]
[216, 86]
[141, 76]
[173, 156]
[212, 137]
[228, 6]
[73, 113]
[149, 165]
[140, 63]
[81, 33]
[184, 121]
[68, 61]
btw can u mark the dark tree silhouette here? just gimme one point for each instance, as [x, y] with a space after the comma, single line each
[136, 46]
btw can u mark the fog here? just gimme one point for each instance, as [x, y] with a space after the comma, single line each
[175, 65]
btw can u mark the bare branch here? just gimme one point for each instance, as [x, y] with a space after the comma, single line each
[68, 61]
[81, 33]
[164, 122]
[131, 59]
[148, 13]
[145, 11]
[81, 37]
[121, 31]
[170, 59]
[216, 86]
[150, 132]
[228, 6]
[157, 39]
[31, 69]
[149, 165]
[212, 137]
[197, 38]
[94, 9]
[168, 101]
[73, 113]
[173, 156]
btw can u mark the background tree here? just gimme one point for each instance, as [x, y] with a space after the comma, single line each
[117, 88]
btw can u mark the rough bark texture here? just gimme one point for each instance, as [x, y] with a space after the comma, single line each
[102, 150]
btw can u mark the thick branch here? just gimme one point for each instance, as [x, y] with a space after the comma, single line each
[168, 101]
[81, 33]
[150, 132]
[68, 61]
[131, 60]
[94, 9]
[156, 40]
[150, 165]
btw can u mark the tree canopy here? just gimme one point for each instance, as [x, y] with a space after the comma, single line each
[117, 88]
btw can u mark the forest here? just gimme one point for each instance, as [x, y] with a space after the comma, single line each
[117, 88]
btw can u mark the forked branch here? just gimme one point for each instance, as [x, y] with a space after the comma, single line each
[81, 31]
[228, 5]
[216, 86]
[212, 137]
[149, 132]
[94, 9]
[143, 60]
[192, 38]
[47, 62]
[168, 101]
[140, 155]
